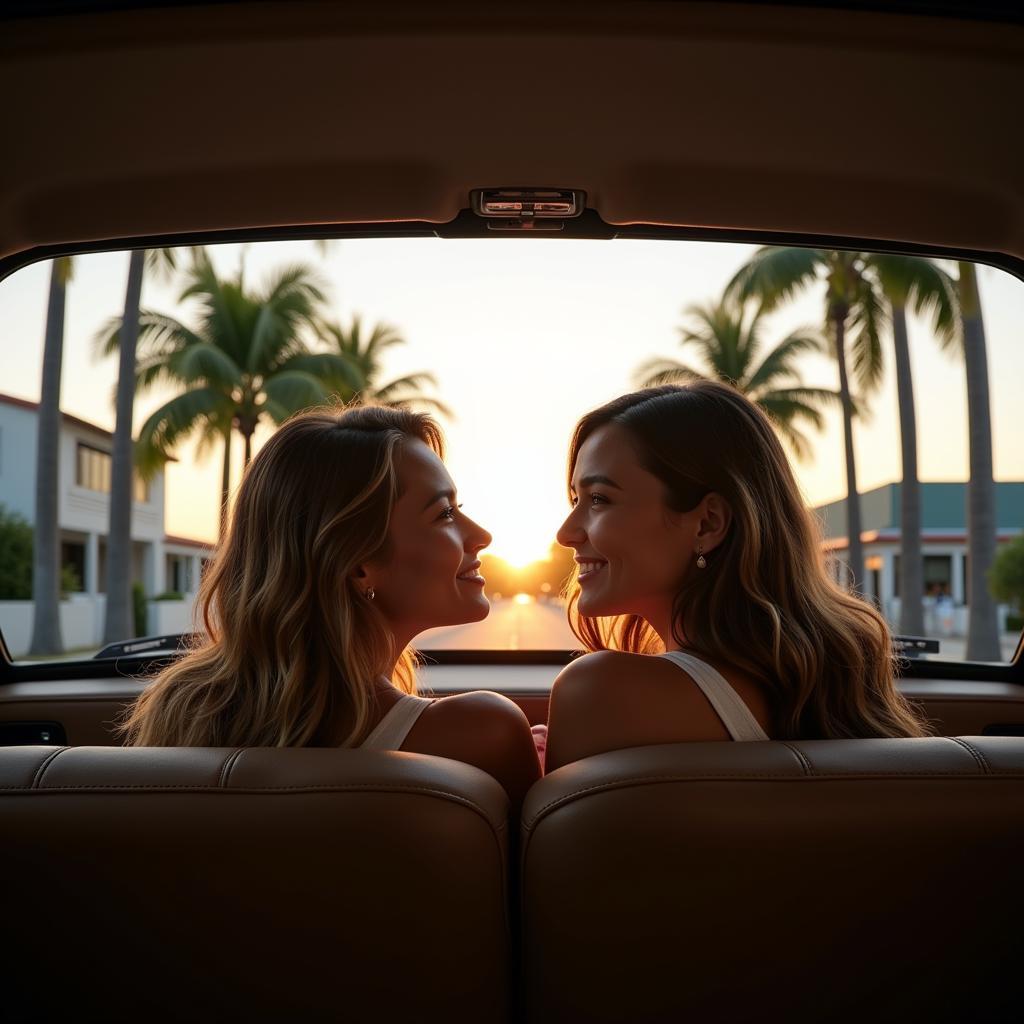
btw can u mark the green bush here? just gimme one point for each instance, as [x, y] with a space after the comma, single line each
[1006, 577]
[69, 581]
[15, 557]
[169, 595]
[1014, 623]
[139, 609]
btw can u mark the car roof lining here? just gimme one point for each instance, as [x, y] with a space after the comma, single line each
[735, 118]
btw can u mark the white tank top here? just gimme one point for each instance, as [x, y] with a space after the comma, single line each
[735, 715]
[393, 728]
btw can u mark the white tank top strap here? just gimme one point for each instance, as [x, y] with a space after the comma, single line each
[396, 725]
[735, 715]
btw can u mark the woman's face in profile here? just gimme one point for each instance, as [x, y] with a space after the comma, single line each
[632, 549]
[431, 575]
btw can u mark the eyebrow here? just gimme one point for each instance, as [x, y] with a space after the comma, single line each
[449, 494]
[597, 478]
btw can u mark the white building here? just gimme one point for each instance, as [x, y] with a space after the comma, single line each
[943, 545]
[167, 567]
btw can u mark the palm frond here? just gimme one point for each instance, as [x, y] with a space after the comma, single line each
[868, 318]
[779, 363]
[411, 381]
[775, 275]
[332, 369]
[290, 391]
[655, 372]
[927, 290]
[173, 421]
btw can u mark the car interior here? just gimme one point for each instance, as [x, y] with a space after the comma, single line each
[820, 880]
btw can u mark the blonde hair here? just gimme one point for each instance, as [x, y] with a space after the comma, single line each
[293, 651]
[765, 603]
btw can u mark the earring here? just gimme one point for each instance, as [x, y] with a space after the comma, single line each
[702, 562]
[369, 594]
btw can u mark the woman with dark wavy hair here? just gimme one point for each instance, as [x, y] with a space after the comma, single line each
[700, 587]
[346, 541]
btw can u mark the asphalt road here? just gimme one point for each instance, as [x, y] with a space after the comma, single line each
[509, 627]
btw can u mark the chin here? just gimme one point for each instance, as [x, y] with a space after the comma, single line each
[595, 607]
[480, 611]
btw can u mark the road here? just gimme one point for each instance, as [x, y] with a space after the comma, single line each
[509, 627]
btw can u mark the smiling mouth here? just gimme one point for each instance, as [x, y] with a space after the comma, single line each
[472, 577]
[590, 569]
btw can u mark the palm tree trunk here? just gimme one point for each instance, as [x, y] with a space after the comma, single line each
[911, 558]
[855, 549]
[46, 634]
[118, 625]
[982, 624]
[248, 449]
[225, 484]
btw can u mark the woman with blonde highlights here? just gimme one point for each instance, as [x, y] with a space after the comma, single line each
[695, 552]
[346, 542]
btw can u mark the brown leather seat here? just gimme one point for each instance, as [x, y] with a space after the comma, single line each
[844, 880]
[212, 885]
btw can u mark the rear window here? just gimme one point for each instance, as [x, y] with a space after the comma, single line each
[510, 341]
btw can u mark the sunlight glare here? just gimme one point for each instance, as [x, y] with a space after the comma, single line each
[523, 599]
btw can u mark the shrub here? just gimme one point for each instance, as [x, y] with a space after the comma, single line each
[1006, 577]
[169, 595]
[69, 581]
[15, 557]
[139, 609]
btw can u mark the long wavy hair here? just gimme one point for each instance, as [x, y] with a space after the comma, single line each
[293, 651]
[765, 603]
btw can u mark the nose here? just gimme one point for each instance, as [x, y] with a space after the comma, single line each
[570, 533]
[477, 537]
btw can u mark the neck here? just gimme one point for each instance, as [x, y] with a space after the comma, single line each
[661, 623]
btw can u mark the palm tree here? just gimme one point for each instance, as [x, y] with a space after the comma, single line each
[854, 317]
[118, 620]
[982, 624]
[46, 634]
[929, 292]
[363, 354]
[245, 360]
[730, 346]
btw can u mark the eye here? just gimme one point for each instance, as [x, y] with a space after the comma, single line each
[449, 512]
[597, 499]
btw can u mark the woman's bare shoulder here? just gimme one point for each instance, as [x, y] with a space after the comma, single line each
[609, 672]
[478, 706]
[610, 700]
[483, 729]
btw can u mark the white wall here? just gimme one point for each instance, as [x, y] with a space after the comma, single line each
[169, 617]
[82, 619]
[80, 624]
[17, 460]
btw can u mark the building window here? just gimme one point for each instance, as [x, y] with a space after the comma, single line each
[938, 575]
[92, 471]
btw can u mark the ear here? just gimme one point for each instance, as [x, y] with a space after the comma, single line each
[360, 578]
[714, 522]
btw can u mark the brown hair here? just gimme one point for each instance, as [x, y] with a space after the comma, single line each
[293, 650]
[765, 603]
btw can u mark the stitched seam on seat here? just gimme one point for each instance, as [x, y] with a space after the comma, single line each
[41, 770]
[979, 758]
[757, 777]
[229, 763]
[800, 756]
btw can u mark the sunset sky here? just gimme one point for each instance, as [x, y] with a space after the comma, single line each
[525, 335]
